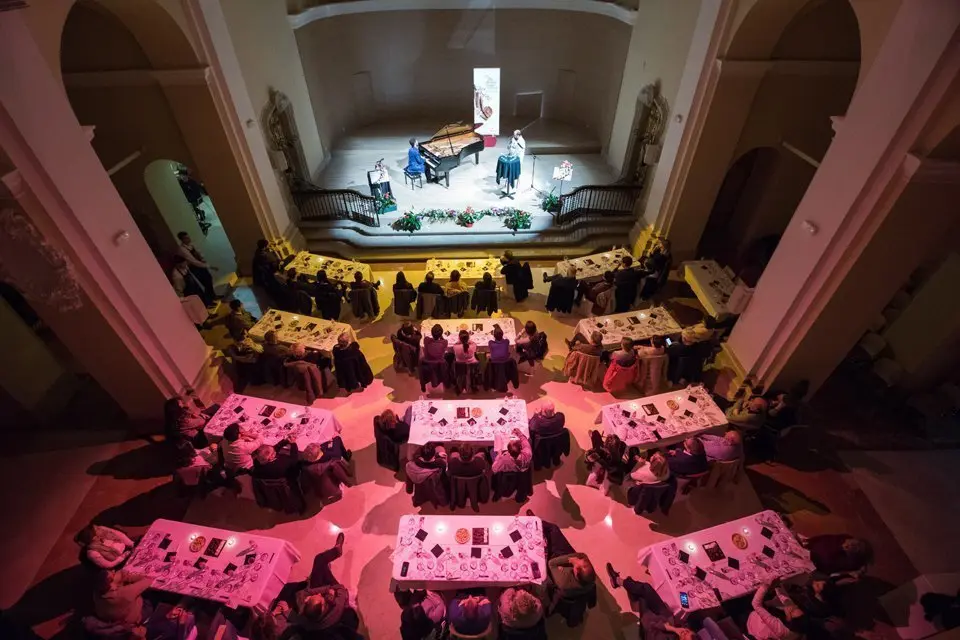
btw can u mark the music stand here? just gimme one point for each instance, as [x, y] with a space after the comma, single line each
[562, 175]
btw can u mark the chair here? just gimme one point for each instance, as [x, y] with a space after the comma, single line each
[304, 302]
[686, 484]
[363, 302]
[329, 304]
[435, 373]
[647, 498]
[427, 305]
[402, 300]
[536, 632]
[617, 377]
[406, 357]
[485, 301]
[584, 369]
[467, 375]
[548, 450]
[475, 489]
[456, 305]
[561, 295]
[279, 494]
[574, 609]
[653, 374]
[498, 374]
[453, 634]
[426, 486]
[271, 368]
[308, 377]
[724, 472]
[518, 484]
[388, 450]
[318, 480]
[414, 178]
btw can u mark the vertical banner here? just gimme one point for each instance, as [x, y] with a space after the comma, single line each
[486, 101]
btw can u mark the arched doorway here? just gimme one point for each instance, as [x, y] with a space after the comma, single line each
[185, 205]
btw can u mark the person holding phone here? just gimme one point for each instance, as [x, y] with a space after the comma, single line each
[656, 619]
[763, 624]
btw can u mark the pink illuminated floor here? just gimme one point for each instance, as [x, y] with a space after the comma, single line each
[122, 483]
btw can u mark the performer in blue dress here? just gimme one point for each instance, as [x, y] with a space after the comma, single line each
[415, 164]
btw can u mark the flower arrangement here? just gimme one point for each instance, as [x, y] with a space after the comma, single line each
[468, 216]
[513, 219]
[385, 202]
[516, 219]
[550, 202]
[409, 222]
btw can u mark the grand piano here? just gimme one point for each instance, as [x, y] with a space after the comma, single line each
[447, 149]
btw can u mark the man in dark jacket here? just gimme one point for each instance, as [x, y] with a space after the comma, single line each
[625, 283]
[276, 462]
[429, 286]
[688, 461]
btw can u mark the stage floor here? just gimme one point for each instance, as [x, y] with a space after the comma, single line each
[470, 184]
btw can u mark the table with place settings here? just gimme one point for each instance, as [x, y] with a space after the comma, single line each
[314, 333]
[471, 269]
[663, 419]
[462, 420]
[481, 330]
[724, 562]
[593, 266]
[337, 269]
[274, 421]
[712, 286]
[459, 552]
[639, 325]
[235, 568]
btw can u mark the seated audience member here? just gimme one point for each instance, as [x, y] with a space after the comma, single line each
[278, 461]
[272, 346]
[469, 615]
[189, 421]
[238, 448]
[625, 283]
[652, 471]
[465, 350]
[409, 334]
[839, 553]
[519, 609]
[688, 460]
[105, 547]
[118, 596]
[238, 321]
[435, 345]
[350, 365]
[657, 347]
[563, 290]
[515, 456]
[546, 421]
[430, 457]
[762, 624]
[323, 609]
[454, 286]
[245, 355]
[625, 356]
[265, 262]
[429, 286]
[499, 346]
[510, 268]
[305, 284]
[747, 413]
[401, 283]
[592, 348]
[326, 471]
[531, 344]
[571, 572]
[656, 619]
[942, 609]
[723, 448]
[273, 357]
[818, 598]
[360, 283]
[592, 291]
[464, 460]
[783, 408]
[486, 283]
[605, 460]
[422, 612]
[323, 286]
[390, 425]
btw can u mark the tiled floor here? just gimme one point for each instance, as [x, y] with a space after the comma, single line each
[127, 484]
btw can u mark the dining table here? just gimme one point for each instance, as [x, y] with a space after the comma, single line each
[711, 284]
[663, 419]
[480, 329]
[463, 420]
[235, 568]
[291, 328]
[638, 325]
[702, 569]
[273, 421]
[591, 268]
[449, 552]
[337, 269]
[471, 269]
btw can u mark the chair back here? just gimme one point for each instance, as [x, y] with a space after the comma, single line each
[605, 301]
[549, 450]
[475, 488]
[388, 451]
[561, 295]
[536, 632]
[653, 374]
[456, 635]
[513, 483]
[647, 498]
[485, 300]
[497, 375]
[427, 305]
[402, 300]
[361, 302]
[724, 472]
[584, 369]
[329, 304]
[693, 481]
[304, 302]
[457, 304]
[406, 357]
[279, 494]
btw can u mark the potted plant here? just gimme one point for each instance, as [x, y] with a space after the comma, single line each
[385, 203]
[550, 202]
[408, 222]
[468, 217]
[515, 220]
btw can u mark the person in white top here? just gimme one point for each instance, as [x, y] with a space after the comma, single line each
[651, 471]
[517, 145]
[764, 625]
[465, 351]
[238, 448]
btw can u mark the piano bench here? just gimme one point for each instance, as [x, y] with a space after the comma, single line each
[414, 178]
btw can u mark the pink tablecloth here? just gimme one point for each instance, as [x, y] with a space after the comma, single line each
[238, 569]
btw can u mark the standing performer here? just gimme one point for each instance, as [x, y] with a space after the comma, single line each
[517, 145]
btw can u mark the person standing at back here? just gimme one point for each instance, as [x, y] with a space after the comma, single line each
[198, 266]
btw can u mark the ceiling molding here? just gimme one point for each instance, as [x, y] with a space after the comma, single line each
[596, 7]
[138, 78]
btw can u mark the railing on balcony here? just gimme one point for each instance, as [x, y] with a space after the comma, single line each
[593, 200]
[335, 204]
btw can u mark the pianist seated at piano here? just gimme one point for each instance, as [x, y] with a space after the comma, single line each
[448, 147]
[415, 164]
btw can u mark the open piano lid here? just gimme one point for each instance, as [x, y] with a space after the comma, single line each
[454, 129]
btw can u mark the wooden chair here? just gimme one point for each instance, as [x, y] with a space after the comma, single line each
[724, 472]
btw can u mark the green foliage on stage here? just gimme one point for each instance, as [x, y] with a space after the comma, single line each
[550, 202]
[513, 219]
[385, 202]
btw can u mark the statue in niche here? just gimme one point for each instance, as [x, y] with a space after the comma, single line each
[649, 124]
[284, 137]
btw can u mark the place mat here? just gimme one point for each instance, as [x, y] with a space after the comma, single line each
[662, 419]
[315, 333]
[274, 421]
[465, 550]
[337, 269]
[639, 325]
[593, 266]
[466, 420]
[481, 330]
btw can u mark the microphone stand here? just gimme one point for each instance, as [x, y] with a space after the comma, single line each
[533, 174]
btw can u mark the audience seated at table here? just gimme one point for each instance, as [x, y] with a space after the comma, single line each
[187, 418]
[818, 598]
[426, 472]
[403, 295]
[118, 596]
[839, 553]
[266, 262]
[624, 371]
[238, 448]
[652, 471]
[764, 624]
[410, 334]
[656, 620]
[686, 358]
[245, 356]
[592, 348]
[688, 460]
[466, 365]
[453, 286]
[430, 457]
[435, 345]
[783, 408]
[422, 613]
[104, 547]
[723, 448]
[325, 470]
[465, 460]
[329, 296]
[350, 365]
[531, 344]
[519, 608]
[239, 320]
[592, 291]
[277, 461]
[571, 572]
[516, 455]
[499, 346]
[546, 420]
[747, 413]
[484, 299]
[516, 275]
[470, 614]
[563, 290]
[360, 283]
[272, 359]
[469, 474]
[626, 281]
[429, 286]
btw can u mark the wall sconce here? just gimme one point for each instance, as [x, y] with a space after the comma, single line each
[810, 227]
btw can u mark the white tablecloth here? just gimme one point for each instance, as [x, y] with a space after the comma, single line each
[337, 269]
[456, 567]
[592, 267]
[315, 333]
[639, 325]
[281, 420]
[471, 269]
[671, 576]
[481, 330]
[260, 565]
[711, 285]
[634, 423]
[450, 420]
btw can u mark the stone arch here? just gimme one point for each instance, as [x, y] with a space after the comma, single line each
[769, 25]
